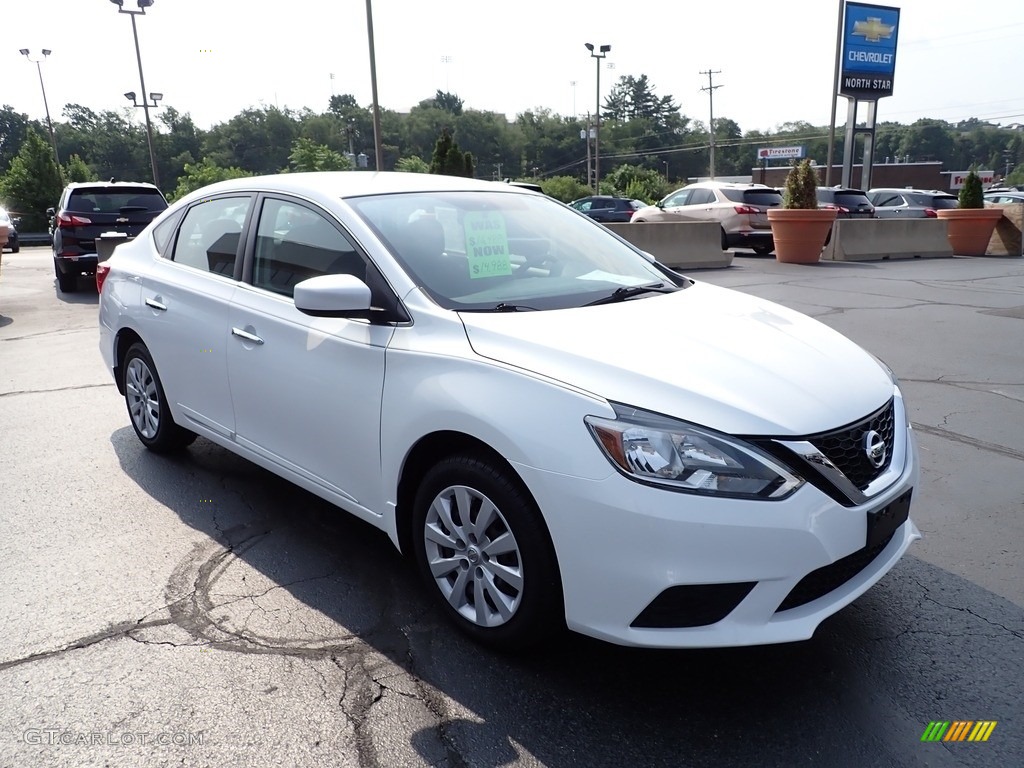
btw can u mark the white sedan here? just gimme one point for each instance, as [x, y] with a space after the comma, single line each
[560, 431]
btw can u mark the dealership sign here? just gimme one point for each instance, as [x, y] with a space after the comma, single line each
[779, 153]
[869, 51]
[956, 178]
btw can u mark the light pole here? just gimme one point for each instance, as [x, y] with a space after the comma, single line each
[378, 146]
[49, 124]
[603, 51]
[143, 5]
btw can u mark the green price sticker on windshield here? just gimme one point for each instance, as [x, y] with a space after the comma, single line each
[487, 244]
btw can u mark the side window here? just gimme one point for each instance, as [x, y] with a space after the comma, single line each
[210, 235]
[162, 232]
[701, 197]
[678, 198]
[294, 243]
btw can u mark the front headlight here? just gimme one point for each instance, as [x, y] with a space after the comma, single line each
[654, 449]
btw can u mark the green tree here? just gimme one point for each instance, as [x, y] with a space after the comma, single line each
[76, 169]
[255, 140]
[448, 159]
[635, 181]
[13, 128]
[634, 97]
[307, 155]
[565, 188]
[32, 183]
[412, 165]
[446, 102]
[199, 175]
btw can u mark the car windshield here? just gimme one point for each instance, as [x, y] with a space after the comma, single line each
[499, 251]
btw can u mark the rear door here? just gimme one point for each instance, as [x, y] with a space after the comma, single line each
[188, 297]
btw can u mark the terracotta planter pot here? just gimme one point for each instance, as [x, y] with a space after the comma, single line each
[970, 229]
[799, 234]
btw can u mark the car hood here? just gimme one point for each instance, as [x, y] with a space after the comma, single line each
[709, 355]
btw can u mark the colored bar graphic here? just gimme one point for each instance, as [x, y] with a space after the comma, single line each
[959, 730]
[935, 731]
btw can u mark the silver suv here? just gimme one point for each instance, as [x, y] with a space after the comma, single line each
[740, 209]
[893, 203]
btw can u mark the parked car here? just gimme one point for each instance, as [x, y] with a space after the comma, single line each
[86, 211]
[11, 222]
[848, 203]
[740, 209]
[1004, 196]
[483, 374]
[893, 203]
[607, 209]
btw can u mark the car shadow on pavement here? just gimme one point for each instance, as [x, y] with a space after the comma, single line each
[334, 588]
[85, 293]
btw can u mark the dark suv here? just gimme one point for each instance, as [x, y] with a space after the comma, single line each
[608, 209]
[88, 210]
[848, 203]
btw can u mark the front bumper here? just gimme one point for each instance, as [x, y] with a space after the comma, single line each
[621, 545]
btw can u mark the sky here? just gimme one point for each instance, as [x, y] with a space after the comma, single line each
[773, 59]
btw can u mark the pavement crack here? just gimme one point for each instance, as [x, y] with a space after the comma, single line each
[974, 442]
[111, 633]
[56, 389]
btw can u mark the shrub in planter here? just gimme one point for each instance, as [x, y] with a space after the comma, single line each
[969, 227]
[799, 228]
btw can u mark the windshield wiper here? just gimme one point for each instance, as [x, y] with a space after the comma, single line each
[627, 292]
[503, 307]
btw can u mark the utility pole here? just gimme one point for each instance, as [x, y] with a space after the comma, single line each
[711, 122]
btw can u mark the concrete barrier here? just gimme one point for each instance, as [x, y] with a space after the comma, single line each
[884, 239]
[680, 245]
[1006, 240]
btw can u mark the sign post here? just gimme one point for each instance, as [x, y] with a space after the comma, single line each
[868, 69]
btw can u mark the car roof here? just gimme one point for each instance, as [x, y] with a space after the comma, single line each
[728, 185]
[341, 184]
[911, 190]
[107, 184]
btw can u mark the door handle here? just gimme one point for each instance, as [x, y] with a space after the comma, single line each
[245, 335]
[156, 305]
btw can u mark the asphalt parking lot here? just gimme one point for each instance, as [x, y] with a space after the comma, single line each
[199, 611]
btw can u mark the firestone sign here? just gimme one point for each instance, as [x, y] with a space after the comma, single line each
[778, 153]
[869, 51]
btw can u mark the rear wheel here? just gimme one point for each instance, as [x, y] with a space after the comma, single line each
[725, 241]
[68, 283]
[483, 551]
[147, 405]
[763, 250]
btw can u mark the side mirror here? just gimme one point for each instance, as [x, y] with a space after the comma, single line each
[51, 212]
[333, 296]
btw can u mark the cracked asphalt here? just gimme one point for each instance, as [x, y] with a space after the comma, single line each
[198, 611]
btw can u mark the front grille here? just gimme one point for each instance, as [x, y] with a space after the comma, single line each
[692, 605]
[845, 447]
[822, 581]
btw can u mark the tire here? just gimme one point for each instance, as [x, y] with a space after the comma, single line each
[499, 585]
[67, 283]
[725, 241]
[763, 250]
[16, 247]
[147, 406]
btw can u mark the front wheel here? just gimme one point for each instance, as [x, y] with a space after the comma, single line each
[483, 550]
[147, 404]
[763, 250]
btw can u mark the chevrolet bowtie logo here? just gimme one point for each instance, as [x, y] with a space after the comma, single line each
[873, 29]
